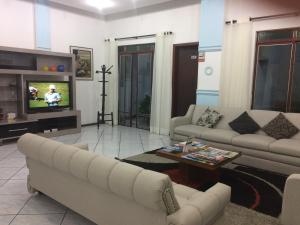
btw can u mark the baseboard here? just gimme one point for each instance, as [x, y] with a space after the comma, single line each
[88, 124]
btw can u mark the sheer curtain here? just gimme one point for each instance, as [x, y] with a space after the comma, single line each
[235, 85]
[162, 84]
[111, 58]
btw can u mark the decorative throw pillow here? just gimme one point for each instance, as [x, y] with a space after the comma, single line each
[280, 128]
[244, 124]
[209, 118]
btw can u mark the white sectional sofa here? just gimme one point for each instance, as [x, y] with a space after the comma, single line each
[258, 150]
[110, 192]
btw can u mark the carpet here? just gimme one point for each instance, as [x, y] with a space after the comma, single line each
[237, 215]
[252, 188]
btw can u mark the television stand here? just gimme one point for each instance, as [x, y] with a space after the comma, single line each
[17, 68]
[47, 125]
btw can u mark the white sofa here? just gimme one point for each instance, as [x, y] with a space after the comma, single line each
[291, 201]
[258, 150]
[110, 192]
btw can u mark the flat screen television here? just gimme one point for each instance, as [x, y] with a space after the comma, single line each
[48, 96]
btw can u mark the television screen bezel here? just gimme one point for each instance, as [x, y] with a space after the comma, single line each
[47, 109]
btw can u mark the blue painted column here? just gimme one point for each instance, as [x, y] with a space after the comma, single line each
[210, 49]
[42, 25]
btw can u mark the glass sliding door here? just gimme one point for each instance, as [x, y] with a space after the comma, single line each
[125, 77]
[135, 85]
[277, 71]
[144, 89]
[272, 76]
[295, 100]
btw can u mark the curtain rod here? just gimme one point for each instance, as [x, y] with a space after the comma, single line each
[274, 16]
[135, 37]
[140, 36]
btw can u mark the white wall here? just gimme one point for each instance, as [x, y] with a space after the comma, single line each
[17, 24]
[68, 29]
[183, 20]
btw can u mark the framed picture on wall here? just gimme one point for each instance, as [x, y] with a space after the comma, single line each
[84, 62]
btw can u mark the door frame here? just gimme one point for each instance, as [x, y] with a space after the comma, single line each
[175, 49]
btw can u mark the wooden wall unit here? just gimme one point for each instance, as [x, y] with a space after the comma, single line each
[16, 67]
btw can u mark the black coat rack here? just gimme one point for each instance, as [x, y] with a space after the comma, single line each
[101, 116]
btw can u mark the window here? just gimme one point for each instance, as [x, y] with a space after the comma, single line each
[277, 71]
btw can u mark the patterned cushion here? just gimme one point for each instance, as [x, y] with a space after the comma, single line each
[209, 118]
[280, 128]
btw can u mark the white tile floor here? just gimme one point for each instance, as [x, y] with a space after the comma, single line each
[18, 207]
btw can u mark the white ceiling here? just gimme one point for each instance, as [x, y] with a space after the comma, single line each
[120, 5]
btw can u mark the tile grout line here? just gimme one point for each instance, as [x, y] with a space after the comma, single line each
[16, 150]
[120, 139]
[77, 139]
[141, 142]
[102, 132]
[20, 209]
[16, 173]
[32, 214]
[64, 216]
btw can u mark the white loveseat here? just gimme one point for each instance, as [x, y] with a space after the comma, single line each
[258, 150]
[110, 192]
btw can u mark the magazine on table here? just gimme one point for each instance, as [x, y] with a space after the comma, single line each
[187, 146]
[210, 155]
[172, 149]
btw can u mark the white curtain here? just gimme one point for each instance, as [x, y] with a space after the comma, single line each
[235, 84]
[111, 59]
[162, 84]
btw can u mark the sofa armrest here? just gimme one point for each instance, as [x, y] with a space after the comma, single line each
[187, 215]
[202, 208]
[291, 201]
[182, 120]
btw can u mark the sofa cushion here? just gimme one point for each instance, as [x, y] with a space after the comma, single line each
[244, 124]
[280, 128]
[209, 118]
[253, 141]
[198, 111]
[219, 135]
[191, 130]
[294, 118]
[289, 147]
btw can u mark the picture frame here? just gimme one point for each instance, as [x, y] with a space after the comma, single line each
[84, 68]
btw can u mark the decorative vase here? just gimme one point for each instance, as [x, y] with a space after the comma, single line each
[45, 68]
[53, 68]
[61, 68]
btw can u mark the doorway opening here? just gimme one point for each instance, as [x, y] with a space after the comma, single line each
[135, 85]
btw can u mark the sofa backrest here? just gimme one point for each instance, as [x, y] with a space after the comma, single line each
[147, 188]
[229, 114]
[262, 117]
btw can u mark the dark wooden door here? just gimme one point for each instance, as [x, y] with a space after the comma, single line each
[185, 76]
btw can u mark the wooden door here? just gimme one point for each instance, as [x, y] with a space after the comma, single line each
[185, 76]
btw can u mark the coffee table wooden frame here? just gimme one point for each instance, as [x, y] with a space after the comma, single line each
[178, 157]
[193, 170]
